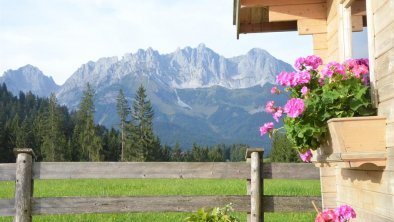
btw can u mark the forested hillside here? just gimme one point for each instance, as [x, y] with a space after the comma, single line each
[55, 134]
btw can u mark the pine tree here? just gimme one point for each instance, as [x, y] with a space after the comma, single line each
[54, 147]
[85, 131]
[123, 112]
[176, 154]
[145, 145]
[282, 150]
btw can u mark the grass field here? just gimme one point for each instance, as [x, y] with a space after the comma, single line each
[157, 187]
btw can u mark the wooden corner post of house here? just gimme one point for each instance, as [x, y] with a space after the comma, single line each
[23, 184]
[256, 185]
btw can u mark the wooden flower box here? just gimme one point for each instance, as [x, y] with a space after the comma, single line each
[353, 142]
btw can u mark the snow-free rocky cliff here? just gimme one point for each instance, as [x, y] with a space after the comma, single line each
[197, 94]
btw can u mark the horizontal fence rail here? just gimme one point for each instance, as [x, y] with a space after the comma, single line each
[160, 170]
[75, 205]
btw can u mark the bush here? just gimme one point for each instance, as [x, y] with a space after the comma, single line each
[213, 215]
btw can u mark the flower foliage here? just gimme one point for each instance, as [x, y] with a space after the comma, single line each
[216, 214]
[342, 213]
[337, 90]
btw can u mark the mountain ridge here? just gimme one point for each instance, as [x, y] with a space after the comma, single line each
[190, 88]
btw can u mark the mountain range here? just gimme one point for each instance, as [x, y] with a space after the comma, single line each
[197, 95]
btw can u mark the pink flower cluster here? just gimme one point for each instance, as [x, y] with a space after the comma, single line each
[331, 68]
[307, 156]
[292, 79]
[275, 111]
[359, 68]
[342, 213]
[308, 63]
[266, 128]
[294, 107]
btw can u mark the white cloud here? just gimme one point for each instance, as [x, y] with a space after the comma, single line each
[58, 36]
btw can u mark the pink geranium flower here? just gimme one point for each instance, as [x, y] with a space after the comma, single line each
[266, 128]
[275, 90]
[304, 90]
[307, 156]
[278, 113]
[327, 216]
[309, 63]
[345, 213]
[294, 107]
[269, 107]
[331, 68]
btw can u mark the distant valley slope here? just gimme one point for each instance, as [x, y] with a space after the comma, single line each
[198, 95]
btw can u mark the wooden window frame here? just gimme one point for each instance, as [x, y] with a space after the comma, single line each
[345, 40]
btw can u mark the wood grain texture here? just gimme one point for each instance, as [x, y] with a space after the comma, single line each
[286, 171]
[74, 205]
[384, 65]
[296, 12]
[377, 4]
[259, 3]
[359, 8]
[290, 204]
[385, 87]
[7, 171]
[320, 41]
[357, 23]
[329, 200]
[332, 9]
[255, 187]
[390, 134]
[384, 16]
[107, 170]
[367, 215]
[23, 187]
[379, 203]
[372, 180]
[386, 109]
[384, 40]
[7, 207]
[311, 26]
[268, 27]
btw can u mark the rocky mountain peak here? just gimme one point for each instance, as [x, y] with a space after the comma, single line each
[29, 78]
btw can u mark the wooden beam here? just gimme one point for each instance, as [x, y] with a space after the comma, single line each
[359, 8]
[320, 41]
[347, 3]
[258, 15]
[262, 3]
[107, 170]
[357, 23]
[311, 26]
[73, 205]
[297, 12]
[268, 27]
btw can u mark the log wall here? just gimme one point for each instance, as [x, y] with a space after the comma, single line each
[369, 189]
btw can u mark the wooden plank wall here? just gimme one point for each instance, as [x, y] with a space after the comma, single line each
[371, 191]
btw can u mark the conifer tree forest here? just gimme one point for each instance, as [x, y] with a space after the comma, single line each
[58, 134]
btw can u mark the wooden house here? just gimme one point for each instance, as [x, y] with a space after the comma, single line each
[370, 190]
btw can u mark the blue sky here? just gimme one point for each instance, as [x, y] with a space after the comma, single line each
[58, 36]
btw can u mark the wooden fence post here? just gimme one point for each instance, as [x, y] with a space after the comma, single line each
[23, 185]
[256, 185]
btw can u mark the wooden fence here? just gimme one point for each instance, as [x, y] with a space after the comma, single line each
[25, 171]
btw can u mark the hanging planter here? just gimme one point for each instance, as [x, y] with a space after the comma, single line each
[353, 142]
